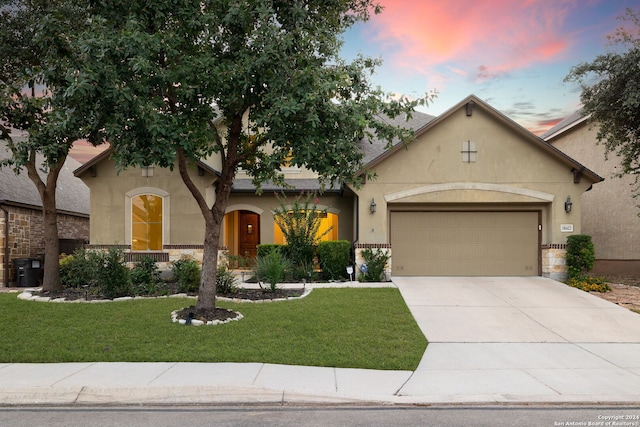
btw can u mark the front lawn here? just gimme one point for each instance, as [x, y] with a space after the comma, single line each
[354, 328]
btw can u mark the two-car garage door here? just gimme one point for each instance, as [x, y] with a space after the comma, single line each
[465, 243]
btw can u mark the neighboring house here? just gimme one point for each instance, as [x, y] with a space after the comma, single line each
[21, 228]
[474, 194]
[609, 211]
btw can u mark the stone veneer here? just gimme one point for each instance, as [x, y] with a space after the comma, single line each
[26, 235]
[554, 263]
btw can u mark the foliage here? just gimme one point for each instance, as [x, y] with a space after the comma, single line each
[373, 268]
[334, 257]
[589, 284]
[257, 83]
[78, 269]
[309, 331]
[145, 277]
[226, 281]
[299, 223]
[266, 249]
[272, 268]
[580, 255]
[112, 275]
[187, 273]
[611, 95]
[35, 75]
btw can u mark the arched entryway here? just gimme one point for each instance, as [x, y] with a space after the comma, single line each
[242, 232]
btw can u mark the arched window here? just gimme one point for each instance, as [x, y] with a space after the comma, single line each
[146, 223]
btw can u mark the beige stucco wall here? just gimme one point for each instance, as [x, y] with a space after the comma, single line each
[110, 211]
[510, 173]
[265, 204]
[609, 213]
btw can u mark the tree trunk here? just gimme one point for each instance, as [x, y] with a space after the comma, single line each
[207, 291]
[51, 280]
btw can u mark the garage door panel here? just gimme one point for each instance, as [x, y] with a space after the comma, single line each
[465, 243]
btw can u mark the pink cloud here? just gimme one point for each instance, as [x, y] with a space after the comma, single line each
[479, 38]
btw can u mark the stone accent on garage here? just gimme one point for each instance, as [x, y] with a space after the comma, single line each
[554, 265]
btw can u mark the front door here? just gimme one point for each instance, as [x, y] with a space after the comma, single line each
[249, 234]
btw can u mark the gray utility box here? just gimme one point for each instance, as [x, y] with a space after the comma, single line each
[28, 272]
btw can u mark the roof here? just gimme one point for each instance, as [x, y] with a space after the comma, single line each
[374, 148]
[106, 154]
[565, 124]
[524, 133]
[245, 185]
[72, 195]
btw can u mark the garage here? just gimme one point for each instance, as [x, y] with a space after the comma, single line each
[464, 243]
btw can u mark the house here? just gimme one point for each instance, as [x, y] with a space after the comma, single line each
[21, 227]
[474, 194]
[609, 211]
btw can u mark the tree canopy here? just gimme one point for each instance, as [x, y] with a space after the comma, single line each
[254, 82]
[36, 53]
[611, 94]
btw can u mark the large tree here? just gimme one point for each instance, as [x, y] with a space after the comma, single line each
[35, 55]
[254, 82]
[611, 94]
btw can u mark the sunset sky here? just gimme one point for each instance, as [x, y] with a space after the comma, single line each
[513, 54]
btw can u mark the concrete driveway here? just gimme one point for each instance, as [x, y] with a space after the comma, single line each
[491, 338]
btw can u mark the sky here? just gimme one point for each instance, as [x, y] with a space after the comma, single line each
[513, 54]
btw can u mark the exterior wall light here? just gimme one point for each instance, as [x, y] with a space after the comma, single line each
[373, 206]
[568, 205]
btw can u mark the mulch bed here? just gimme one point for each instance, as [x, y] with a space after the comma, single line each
[219, 314]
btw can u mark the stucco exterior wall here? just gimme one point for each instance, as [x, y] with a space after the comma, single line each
[110, 206]
[509, 173]
[609, 211]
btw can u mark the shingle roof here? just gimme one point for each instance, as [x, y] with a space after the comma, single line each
[374, 148]
[564, 124]
[72, 195]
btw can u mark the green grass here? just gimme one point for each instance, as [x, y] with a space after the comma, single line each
[355, 328]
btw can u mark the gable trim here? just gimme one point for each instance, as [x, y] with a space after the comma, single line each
[479, 186]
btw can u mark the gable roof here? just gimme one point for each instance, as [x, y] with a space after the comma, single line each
[106, 154]
[473, 101]
[72, 195]
[565, 125]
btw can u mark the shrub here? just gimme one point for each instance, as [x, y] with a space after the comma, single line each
[112, 275]
[145, 277]
[272, 268]
[226, 282]
[300, 224]
[187, 274]
[580, 255]
[589, 284]
[266, 249]
[77, 270]
[375, 263]
[334, 258]
[239, 261]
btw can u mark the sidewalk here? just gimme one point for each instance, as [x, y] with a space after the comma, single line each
[493, 344]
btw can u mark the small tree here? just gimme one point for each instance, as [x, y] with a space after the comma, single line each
[611, 95]
[580, 255]
[300, 224]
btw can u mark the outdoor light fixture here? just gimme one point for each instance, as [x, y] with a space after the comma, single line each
[568, 204]
[373, 206]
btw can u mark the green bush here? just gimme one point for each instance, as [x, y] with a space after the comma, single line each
[266, 249]
[145, 277]
[272, 268]
[226, 281]
[112, 275]
[334, 258]
[78, 270]
[580, 255]
[187, 274]
[373, 268]
[299, 223]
